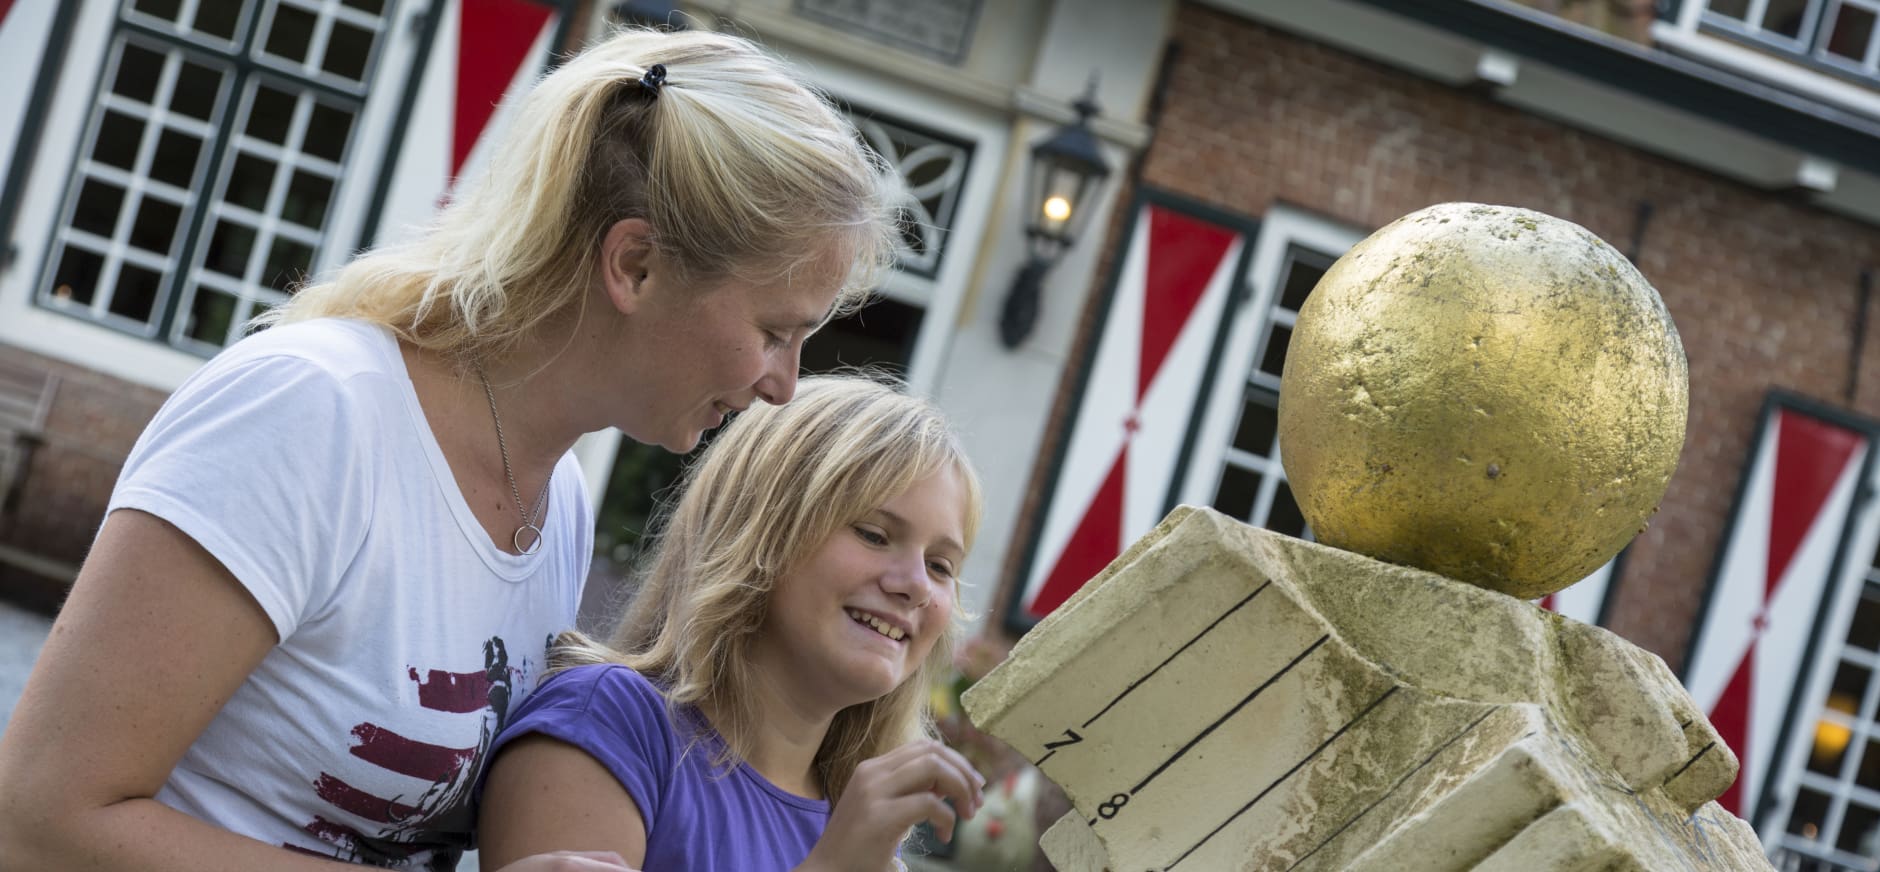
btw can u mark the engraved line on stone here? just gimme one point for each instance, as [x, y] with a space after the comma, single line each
[1158, 667]
[1687, 764]
[1276, 782]
[1230, 713]
[1052, 747]
[1393, 788]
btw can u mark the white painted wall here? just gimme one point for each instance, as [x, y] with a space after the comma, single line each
[24, 32]
[1001, 398]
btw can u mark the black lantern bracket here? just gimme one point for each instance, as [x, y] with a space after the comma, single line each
[1067, 170]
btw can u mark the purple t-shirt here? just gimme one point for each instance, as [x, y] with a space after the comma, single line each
[698, 816]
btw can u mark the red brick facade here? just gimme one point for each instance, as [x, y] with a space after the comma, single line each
[1763, 287]
[95, 420]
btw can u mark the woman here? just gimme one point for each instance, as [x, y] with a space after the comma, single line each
[763, 706]
[333, 561]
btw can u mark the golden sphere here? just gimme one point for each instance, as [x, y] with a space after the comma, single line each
[1484, 392]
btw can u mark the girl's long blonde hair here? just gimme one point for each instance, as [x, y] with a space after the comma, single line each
[741, 169]
[768, 492]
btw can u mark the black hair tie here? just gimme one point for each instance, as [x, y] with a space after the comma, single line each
[654, 79]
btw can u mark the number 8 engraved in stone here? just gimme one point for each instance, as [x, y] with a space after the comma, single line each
[1109, 809]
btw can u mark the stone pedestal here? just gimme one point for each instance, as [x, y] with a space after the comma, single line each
[1226, 698]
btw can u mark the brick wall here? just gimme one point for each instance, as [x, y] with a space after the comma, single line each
[1762, 287]
[95, 420]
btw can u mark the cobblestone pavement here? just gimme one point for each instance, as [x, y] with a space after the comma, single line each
[22, 632]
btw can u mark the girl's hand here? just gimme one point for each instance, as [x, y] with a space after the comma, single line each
[890, 794]
[570, 861]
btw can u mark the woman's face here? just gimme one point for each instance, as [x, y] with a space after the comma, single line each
[690, 356]
[863, 611]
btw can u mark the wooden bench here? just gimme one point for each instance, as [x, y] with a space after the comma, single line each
[26, 396]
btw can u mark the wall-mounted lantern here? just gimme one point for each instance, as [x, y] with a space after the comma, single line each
[1067, 172]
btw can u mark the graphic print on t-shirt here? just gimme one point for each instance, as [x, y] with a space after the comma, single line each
[438, 818]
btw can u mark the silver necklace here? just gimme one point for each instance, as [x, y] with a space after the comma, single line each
[529, 518]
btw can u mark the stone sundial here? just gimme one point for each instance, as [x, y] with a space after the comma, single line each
[1480, 405]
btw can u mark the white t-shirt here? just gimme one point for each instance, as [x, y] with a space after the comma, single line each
[301, 460]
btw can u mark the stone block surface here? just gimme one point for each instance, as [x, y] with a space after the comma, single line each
[1223, 697]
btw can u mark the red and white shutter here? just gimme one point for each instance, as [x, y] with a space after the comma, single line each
[486, 53]
[1175, 283]
[1768, 588]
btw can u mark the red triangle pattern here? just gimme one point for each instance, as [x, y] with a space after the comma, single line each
[1097, 541]
[1810, 456]
[1184, 253]
[1731, 720]
[493, 41]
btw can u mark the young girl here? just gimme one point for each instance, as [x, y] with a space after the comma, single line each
[762, 705]
[334, 560]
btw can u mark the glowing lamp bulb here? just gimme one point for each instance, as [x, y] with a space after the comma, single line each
[1831, 739]
[1057, 209]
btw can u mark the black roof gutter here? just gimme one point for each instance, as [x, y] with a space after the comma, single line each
[1810, 126]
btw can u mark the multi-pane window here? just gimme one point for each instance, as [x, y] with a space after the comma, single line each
[1834, 823]
[203, 185]
[1253, 485]
[1837, 33]
[1846, 36]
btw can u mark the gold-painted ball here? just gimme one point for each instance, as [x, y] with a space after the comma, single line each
[1484, 392]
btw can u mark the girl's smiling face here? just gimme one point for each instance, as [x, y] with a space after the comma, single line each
[862, 612]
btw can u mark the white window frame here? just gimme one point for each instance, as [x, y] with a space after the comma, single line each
[326, 13]
[201, 203]
[1869, 65]
[1791, 773]
[1757, 11]
[1281, 230]
[269, 225]
[137, 185]
[1692, 35]
[28, 325]
[1808, 46]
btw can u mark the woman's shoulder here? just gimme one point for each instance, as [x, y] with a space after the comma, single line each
[337, 347]
[322, 370]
